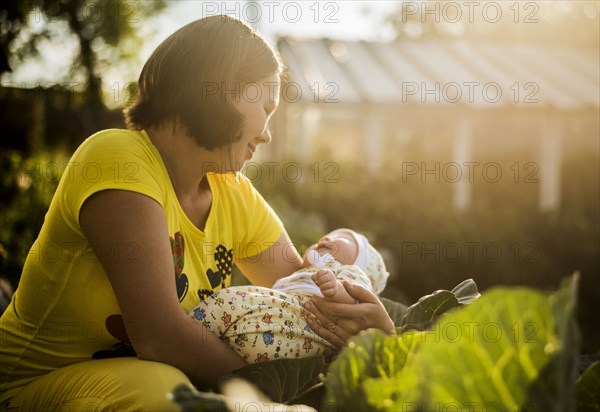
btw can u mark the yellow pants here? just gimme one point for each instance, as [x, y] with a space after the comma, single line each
[117, 384]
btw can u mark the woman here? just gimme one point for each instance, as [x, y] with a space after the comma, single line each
[157, 213]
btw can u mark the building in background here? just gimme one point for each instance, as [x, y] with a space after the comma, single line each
[449, 109]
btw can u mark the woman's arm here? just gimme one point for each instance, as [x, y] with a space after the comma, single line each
[279, 260]
[158, 328]
[338, 322]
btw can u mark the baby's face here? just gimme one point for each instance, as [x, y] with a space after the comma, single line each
[341, 245]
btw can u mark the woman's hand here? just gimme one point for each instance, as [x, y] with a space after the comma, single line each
[338, 322]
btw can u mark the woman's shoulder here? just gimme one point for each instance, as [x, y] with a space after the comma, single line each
[113, 138]
[115, 144]
[115, 132]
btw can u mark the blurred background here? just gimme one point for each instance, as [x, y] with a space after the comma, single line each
[462, 137]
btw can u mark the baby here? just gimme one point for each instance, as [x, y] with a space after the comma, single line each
[263, 324]
[341, 254]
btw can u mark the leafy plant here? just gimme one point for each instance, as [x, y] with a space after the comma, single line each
[371, 360]
[421, 315]
[491, 353]
[510, 349]
[26, 187]
[286, 380]
[588, 389]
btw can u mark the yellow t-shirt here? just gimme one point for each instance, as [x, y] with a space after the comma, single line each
[64, 310]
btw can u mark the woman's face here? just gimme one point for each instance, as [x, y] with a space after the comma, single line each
[256, 104]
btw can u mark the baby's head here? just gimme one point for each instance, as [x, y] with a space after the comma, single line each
[351, 248]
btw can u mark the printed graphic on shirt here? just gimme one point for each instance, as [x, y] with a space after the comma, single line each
[115, 326]
[224, 261]
[181, 279]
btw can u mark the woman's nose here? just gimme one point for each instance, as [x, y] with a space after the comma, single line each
[265, 137]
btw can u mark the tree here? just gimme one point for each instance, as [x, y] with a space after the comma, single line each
[97, 25]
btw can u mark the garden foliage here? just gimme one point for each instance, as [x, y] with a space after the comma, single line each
[511, 349]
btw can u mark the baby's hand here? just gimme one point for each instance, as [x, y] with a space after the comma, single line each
[326, 281]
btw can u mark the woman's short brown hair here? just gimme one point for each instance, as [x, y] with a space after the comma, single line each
[194, 75]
